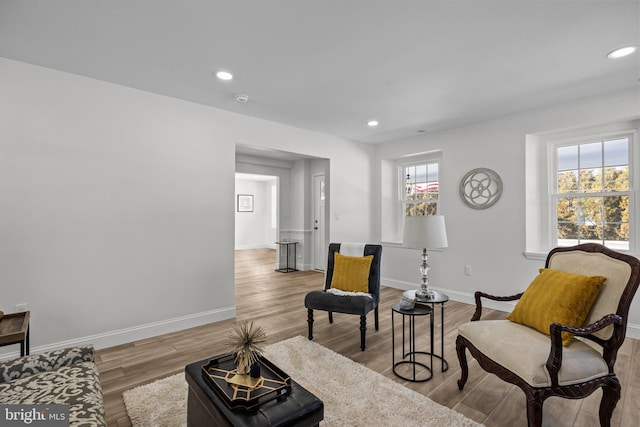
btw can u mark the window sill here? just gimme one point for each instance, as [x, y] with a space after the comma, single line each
[539, 256]
[542, 256]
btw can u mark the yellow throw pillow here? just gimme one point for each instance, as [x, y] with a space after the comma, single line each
[557, 297]
[351, 273]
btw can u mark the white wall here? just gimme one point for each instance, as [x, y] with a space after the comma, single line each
[281, 169]
[491, 241]
[117, 205]
[256, 229]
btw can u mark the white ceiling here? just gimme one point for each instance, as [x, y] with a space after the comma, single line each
[331, 65]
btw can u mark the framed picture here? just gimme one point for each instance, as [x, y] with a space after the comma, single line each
[245, 202]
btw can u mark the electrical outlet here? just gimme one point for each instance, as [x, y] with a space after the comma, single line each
[467, 270]
[22, 307]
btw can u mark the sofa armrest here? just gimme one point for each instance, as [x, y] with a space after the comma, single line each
[479, 295]
[36, 363]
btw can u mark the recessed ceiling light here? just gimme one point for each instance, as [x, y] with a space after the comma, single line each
[224, 75]
[372, 123]
[623, 51]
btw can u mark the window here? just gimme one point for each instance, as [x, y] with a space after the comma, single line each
[420, 188]
[417, 195]
[582, 185]
[591, 196]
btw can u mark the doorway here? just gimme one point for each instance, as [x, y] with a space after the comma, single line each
[319, 245]
[297, 205]
[256, 215]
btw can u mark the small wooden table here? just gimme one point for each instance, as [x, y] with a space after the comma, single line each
[14, 329]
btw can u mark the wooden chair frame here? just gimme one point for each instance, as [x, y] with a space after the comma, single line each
[537, 395]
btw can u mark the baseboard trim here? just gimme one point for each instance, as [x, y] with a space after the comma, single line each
[136, 333]
[150, 330]
[633, 330]
[255, 246]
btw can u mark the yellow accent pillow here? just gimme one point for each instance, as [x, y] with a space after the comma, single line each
[557, 297]
[351, 273]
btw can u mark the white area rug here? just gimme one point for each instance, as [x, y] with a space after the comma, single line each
[353, 395]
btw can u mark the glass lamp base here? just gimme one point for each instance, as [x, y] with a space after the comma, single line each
[424, 293]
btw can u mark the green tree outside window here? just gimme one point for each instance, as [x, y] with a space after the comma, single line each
[592, 193]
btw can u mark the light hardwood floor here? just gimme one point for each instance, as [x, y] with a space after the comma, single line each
[275, 301]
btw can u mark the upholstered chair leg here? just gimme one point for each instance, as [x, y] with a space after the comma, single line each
[363, 331]
[331, 317]
[375, 314]
[610, 397]
[462, 357]
[310, 322]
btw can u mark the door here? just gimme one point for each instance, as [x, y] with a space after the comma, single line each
[319, 246]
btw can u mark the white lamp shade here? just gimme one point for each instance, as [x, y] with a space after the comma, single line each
[424, 232]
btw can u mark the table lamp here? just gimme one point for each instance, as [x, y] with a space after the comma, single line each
[424, 232]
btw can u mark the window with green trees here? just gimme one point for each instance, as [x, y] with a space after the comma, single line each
[592, 193]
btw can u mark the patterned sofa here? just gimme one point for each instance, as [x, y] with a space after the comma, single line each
[66, 376]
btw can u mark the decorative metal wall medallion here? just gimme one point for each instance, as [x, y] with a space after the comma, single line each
[480, 188]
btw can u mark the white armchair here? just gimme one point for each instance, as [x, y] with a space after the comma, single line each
[539, 364]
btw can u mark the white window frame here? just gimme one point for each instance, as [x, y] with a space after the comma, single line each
[427, 160]
[540, 183]
[554, 197]
[391, 192]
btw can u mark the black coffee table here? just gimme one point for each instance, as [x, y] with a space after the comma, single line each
[205, 407]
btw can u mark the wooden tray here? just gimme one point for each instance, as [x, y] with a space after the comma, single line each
[274, 383]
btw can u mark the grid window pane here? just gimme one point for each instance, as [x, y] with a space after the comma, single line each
[616, 209]
[616, 178]
[423, 197]
[567, 209]
[432, 208]
[421, 174]
[616, 152]
[612, 233]
[567, 181]
[591, 155]
[567, 158]
[409, 174]
[590, 210]
[590, 180]
[590, 233]
[568, 231]
[432, 172]
[592, 193]
[409, 210]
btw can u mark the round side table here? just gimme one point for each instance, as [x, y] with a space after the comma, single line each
[409, 357]
[434, 298]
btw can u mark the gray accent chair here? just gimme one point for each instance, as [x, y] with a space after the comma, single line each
[351, 304]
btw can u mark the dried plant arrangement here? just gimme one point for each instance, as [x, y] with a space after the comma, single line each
[247, 343]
